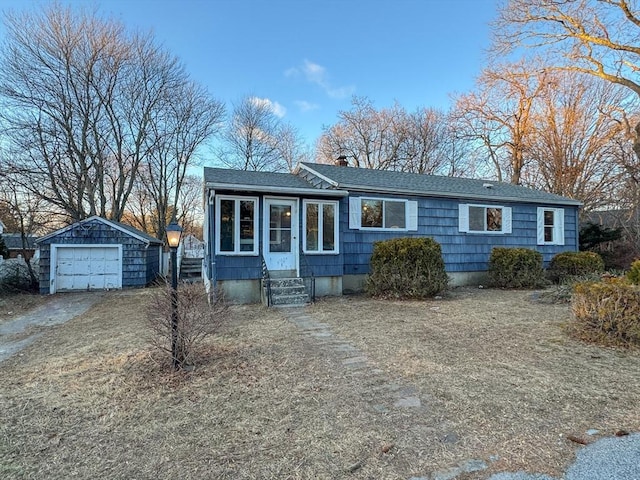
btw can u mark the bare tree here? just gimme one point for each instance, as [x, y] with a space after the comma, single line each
[26, 215]
[574, 150]
[594, 37]
[498, 116]
[79, 94]
[178, 128]
[367, 137]
[424, 143]
[389, 139]
[189, 206]
[291, 148]
[257, 139]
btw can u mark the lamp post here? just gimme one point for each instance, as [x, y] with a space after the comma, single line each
[173, 238]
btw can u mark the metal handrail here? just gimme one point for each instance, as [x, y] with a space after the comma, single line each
[312, 286]
[266, 280]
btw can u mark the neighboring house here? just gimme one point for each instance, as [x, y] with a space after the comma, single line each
[192, 247]
[322, 222]
[13, 242]
[97, 254]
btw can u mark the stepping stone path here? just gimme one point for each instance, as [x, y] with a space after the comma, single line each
[356, 362]
[353, 360]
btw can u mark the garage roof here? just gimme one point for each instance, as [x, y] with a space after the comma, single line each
[128, 229]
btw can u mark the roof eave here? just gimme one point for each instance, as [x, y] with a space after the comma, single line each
[360, 188]
[281, 190]
[105, 221]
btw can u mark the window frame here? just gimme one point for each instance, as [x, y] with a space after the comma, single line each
[557, 227]
[336, 224]
[410, 214]
[463, 219]
[236, 230]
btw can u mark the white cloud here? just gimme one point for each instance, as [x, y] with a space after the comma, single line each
[305, 106]
[317, 75]
[277, 109]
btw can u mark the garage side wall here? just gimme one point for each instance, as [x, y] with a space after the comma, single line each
[140, 262]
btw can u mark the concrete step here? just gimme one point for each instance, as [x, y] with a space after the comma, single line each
[288, 292]
[287, 282]
[190, 268]
[289, 300]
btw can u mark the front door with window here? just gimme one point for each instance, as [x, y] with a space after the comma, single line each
[281, 235]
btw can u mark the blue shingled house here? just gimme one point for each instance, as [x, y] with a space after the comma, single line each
[319, 224]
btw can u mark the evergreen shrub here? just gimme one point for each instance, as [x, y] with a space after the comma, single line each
[574, 264]
[407, 268]
[515, 268]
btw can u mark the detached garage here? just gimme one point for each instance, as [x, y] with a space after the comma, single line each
[97, 254]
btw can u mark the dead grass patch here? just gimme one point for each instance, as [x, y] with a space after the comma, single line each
[12, 305]
[495, 373]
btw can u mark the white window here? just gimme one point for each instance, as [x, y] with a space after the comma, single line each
[550, 226]
[236, 225]
[382, 214]
[493, 219]
[320, 228]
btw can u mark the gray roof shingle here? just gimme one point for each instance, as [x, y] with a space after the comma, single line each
[272, 182]
[224, 176]
[13, 241]
[361, 179]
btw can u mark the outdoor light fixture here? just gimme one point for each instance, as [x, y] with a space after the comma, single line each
[173, 238]
[174, 231]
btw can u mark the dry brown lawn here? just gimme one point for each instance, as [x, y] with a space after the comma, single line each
[497, 377]
[13, 305]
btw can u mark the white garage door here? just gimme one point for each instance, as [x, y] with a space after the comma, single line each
[87, 267]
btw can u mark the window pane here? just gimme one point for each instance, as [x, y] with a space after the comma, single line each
[227, 223]
[280, 241]
[280, 228]
[548, 218]
[371, 213]
[476, 219]
[328, 233]
[494, 219]
[246, 225]
[394, 215]
[548, 234]
[312, 226]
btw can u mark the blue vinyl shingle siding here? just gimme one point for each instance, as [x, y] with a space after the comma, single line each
[462, 252]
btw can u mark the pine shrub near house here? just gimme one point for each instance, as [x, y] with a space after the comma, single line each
[607, 312]
[516, 268]
[407, 268]
[565, 265]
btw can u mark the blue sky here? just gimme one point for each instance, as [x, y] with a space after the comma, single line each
[309, 57]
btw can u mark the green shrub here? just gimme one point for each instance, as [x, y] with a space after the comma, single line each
[407, 268]
[633, 275]
[607, 312]
[573, 264]
[515, 268]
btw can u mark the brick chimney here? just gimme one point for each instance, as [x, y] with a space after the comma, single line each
[341, 161]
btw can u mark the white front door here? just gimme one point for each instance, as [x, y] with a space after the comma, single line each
[281, 235]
